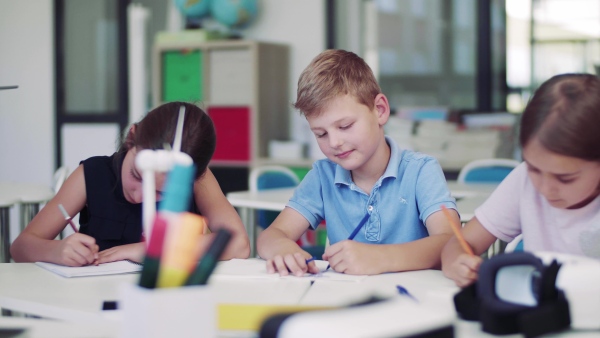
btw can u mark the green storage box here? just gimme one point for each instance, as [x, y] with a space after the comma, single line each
[182, 76]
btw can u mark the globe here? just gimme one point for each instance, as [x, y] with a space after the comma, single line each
[194, 9]
[233, 13]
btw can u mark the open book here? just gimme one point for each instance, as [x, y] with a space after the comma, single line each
[112, 268]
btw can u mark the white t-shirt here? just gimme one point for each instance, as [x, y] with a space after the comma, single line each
[516, 207]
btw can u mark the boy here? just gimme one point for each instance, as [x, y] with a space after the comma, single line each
[364, 173]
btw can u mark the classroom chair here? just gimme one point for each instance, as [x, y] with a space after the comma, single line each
[515, 245]
[490, 170]
[270, 177]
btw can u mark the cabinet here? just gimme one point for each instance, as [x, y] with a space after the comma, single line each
[242, 85]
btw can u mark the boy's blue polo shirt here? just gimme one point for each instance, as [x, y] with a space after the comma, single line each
[412, 187]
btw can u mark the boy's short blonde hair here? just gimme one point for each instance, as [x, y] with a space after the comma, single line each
[334, 73]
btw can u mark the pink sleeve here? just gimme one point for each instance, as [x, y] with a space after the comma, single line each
[500, 213]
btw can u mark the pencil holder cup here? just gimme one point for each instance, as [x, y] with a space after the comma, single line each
[188, 311]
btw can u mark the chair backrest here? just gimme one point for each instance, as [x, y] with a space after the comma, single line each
[60, 175]
[515, 245]
[270, 177]
[492, 170]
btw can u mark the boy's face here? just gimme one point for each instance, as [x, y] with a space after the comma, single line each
[349, 133]
[566, 182]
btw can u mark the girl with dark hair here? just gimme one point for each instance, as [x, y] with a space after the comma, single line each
[106, 191]
[553, 197]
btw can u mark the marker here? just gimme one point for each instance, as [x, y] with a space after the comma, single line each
[67, 217]
[207, 264]
[457, 233]
[356, 230]
[151, 263]
[178, 258]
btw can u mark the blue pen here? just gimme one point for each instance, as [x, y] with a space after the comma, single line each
[356, 230]
[310, 260]
[403, 291]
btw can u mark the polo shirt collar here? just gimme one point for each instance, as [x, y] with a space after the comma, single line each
[343, 176]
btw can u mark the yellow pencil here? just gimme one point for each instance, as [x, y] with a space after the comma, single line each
[456, 229]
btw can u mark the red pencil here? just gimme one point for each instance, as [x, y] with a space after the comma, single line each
[67, 217]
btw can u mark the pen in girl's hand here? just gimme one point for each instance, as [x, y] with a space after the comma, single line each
[456, 228]
[67, 217]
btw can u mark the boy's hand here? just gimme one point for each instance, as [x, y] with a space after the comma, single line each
[355, 258]
[77, 250]
[463, 271]
[292, 264]
[133, 252]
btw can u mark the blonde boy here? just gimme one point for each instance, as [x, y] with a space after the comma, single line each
[364, 173]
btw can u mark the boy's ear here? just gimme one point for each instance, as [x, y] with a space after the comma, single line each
[382, 107]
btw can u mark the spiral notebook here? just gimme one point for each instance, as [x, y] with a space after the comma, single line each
[112, 268]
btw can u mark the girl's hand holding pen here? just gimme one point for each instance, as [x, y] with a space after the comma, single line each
[77, 250]
[296, 264]
[463, 270]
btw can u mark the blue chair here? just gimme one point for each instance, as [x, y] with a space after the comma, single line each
[270, 177]
[492, 170]
[515, 245]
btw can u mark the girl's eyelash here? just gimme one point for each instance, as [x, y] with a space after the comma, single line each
[566, 181]
[137, 178]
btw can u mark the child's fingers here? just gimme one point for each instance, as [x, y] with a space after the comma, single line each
[85, 250]
[280, 266]
[270, 266]
[312, 268]
[332, 250]
[295, 267]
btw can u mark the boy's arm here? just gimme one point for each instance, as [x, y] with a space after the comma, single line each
[459, 266]
[277, 244]
[356, 258]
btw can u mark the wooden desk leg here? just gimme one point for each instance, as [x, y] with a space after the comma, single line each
[5, 235]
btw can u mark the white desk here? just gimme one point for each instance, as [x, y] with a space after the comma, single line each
[76, 302]
[469, 197]
[29, 197]
[27, 288]
[47, 328]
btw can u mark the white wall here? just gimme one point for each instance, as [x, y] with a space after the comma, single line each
[301, 25]
[27, 113]
[27, 59]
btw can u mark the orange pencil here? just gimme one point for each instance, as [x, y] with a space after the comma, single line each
[456, 229]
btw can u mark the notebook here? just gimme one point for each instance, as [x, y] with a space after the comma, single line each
[112, 268]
